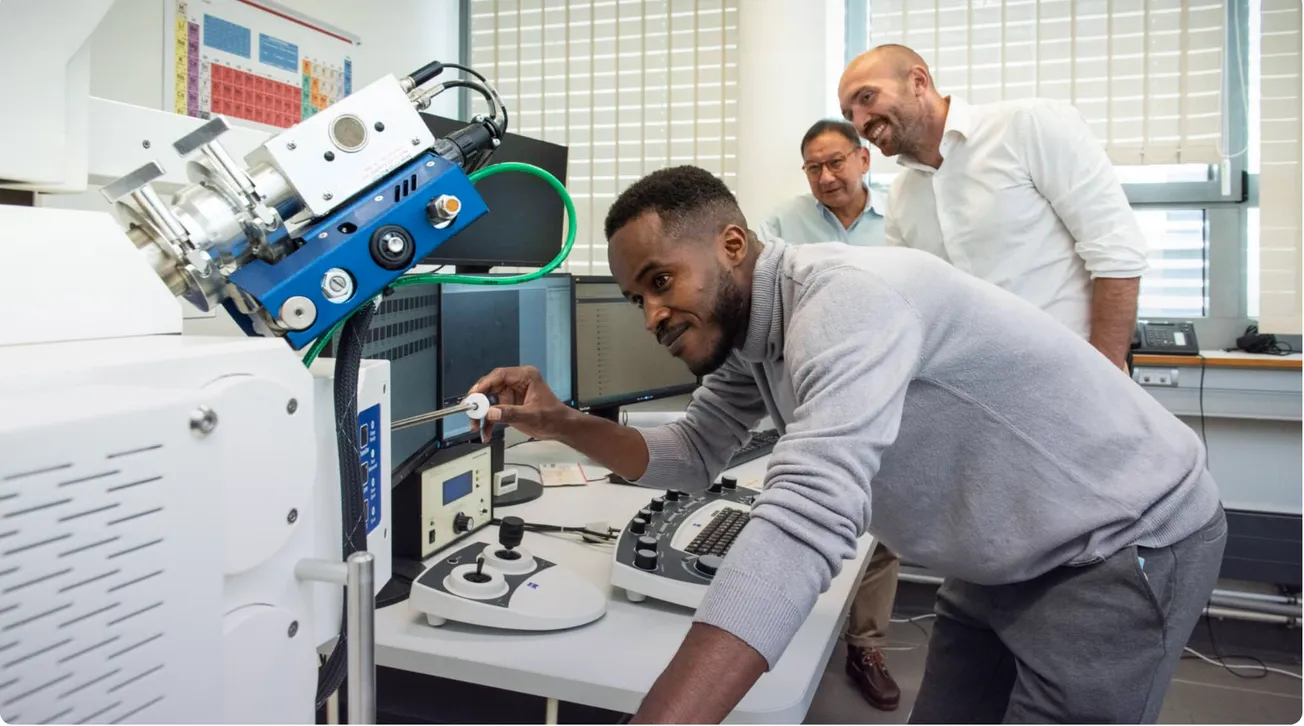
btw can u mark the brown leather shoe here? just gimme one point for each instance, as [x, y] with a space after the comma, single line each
[869, 671]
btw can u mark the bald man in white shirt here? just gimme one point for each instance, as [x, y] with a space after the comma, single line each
[1018, 193]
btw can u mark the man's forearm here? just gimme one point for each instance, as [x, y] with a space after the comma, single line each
[618, 448]
[1113, 315]
[709, 675]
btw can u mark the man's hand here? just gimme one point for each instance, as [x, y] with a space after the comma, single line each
[706, 679]
[524, 402]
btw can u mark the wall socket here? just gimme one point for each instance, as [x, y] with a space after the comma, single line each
[1155, 376]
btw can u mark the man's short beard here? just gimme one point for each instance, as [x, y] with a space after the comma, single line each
[731, 314]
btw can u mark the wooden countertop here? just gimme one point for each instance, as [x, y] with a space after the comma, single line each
[1223, 359]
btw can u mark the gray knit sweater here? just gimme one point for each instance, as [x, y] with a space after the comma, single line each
[965, 428]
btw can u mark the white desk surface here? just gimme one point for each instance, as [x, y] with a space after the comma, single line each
[612, 662]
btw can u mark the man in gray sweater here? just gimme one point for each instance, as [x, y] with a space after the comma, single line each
[1073, 517]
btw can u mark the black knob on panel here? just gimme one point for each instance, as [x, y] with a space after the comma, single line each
[708, 564]
[645, 559]
[462, 523]
[647, 542]
[672, 496]
[658, 504]
[715, 488]
[638, 525]
[729, 482]
[646, 513]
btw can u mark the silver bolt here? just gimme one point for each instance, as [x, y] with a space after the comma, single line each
[337, 285]
[416, 141]
[291, 145]
[497, 143]
[293, 516]
[328, 196]
[294, 629]
[203, 420]
[379, 198]
[394, 243]
[292, 406]
[443, 208]
[323, 235]
[298, 313]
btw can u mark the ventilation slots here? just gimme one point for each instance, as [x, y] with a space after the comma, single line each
[83, 586]
[401, 191]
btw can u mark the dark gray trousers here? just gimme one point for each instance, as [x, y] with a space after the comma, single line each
[1091, 644]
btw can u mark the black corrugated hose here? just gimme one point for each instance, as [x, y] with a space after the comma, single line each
[353, 507]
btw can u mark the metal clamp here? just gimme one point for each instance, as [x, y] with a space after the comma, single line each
[358, 576]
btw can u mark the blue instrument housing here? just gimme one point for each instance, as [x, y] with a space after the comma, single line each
[343, 240]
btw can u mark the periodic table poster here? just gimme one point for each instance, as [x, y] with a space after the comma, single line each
[253, 60]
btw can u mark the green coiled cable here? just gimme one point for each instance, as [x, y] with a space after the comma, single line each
[433, 279]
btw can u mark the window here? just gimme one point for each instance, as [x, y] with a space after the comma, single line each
[1279, 223]
[629, 86]
[1174, 286]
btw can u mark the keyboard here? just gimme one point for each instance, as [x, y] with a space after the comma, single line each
[671, 549]
[760, 444]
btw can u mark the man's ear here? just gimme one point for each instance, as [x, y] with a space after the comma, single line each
[733, 242]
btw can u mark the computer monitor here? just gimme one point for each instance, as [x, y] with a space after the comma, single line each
[617, 361]
[405, 332]
[485, 327]
[525, 225]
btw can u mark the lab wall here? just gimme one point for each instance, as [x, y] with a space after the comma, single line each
[790, 56]
[398, 36]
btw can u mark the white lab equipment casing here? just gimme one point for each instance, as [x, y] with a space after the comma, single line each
[344, 149]
[143, 518]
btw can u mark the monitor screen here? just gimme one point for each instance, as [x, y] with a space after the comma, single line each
[405, 332]
[617, 361]
[526, 222]
[486, 327]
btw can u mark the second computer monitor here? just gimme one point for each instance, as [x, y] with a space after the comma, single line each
[485, 327]
[617, 361]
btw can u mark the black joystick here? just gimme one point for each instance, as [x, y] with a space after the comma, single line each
[510, 534]
[478, 576]
[729, 482]
[638, 525]
[658, 504]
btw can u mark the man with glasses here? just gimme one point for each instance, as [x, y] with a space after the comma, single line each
[840, 206]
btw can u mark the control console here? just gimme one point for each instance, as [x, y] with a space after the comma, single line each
[672, 548]
[505, 586]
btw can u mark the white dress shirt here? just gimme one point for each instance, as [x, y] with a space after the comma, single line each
[1025, 198]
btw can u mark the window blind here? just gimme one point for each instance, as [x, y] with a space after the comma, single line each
[1280, 168]
[629, 86]
[1146, 74]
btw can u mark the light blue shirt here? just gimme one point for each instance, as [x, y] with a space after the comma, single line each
[804, 220]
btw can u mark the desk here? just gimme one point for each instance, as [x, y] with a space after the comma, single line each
[613, 662]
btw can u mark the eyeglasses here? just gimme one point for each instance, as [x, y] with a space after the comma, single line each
[835, 165]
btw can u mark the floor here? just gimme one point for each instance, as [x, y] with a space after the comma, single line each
[1200, 693]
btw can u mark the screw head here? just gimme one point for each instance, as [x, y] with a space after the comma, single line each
[394, 243]
[323, 235]
[291, 146]
[203, 420]
[145, 143]
[293, 516]
[416, 141]
[328, 196]
[380, 125]
[293, 629]
[292, 406]
[337, 285]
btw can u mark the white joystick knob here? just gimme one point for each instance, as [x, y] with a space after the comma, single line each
[514, 561]
[478, 405]
[476, 582]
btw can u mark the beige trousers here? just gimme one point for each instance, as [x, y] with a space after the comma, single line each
[871, 611]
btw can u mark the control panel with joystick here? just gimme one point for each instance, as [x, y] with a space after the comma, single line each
[505, 586]
[674, 546]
